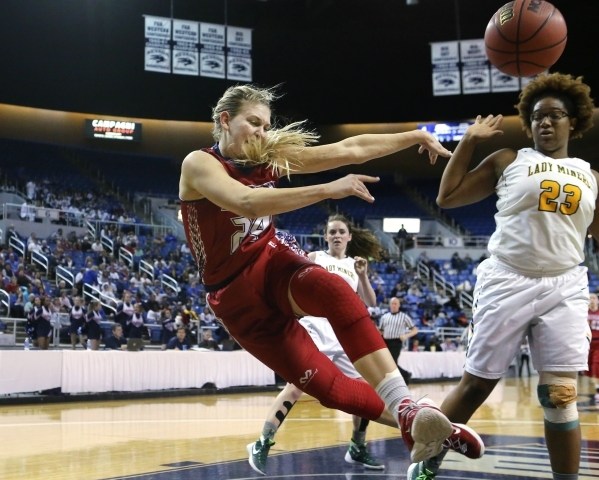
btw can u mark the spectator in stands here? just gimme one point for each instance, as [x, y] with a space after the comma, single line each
[43, 325]
[77, 319]
[449, 345]
[185, 249]
[85, 245]
[31, 190]
[117, 340]
[97, 246]
[168, 327]
[136, 327]
[401, 238]
[433, 344]
[207, 341]
[397, 327]
[258, 284]
[442, 321]
[17, 307]
[308, 245]
[457, 263]
[547, 205]
[33, 244]
[93, 329]
[27, 212]
[179, 341]
[91, 275]
[207, 318]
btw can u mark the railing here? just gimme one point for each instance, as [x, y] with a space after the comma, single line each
[5, 301]
[147, 267]
[107, 243]
[17, 245]
[89, 291]
[63, 273]
[440, 283]
[91, 229]
[42, 260]
[428, 241]
[32, 213]
[126, 256]
[465, 300]
[169, 282]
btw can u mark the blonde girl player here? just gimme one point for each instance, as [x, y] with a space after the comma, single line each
[348, 248]
[533, 284]
[258, 285]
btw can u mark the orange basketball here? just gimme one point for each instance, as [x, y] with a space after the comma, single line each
[525, 37]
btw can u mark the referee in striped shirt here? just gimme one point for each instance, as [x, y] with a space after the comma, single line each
[396, 327]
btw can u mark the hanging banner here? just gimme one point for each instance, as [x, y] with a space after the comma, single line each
[239, 51]
[502, 82]
[476, 77]
[445, 58]
[186, 39]
[157, 44]
[212, 50]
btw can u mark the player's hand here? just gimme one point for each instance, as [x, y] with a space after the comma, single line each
[360, 265]
[484, 128]
[433, 146]
[352, 185]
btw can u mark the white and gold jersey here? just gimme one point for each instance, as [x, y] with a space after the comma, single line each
[544, 209]
[344, 267]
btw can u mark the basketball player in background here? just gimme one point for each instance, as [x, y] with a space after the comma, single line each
[258, 284]
[348, 249]
[533, 283]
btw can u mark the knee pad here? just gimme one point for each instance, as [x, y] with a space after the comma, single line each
[557, 395]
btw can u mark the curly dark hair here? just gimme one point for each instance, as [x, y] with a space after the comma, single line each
[575, 94]
[363, 242]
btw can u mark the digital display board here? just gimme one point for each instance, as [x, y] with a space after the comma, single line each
[446, 132]
[112, 129]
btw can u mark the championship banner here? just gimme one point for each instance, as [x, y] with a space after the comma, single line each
[212, 50]
[157, 44]
[502, 82]
[475, 67]
[186, 39]
[239, 59]
[445, 58]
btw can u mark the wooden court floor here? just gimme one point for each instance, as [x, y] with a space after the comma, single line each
[204, 437]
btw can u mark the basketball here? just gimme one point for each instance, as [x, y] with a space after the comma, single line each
[525, 37]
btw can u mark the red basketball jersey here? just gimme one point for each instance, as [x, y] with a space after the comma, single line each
[222, 242]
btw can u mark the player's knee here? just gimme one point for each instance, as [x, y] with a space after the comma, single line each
[557, 394]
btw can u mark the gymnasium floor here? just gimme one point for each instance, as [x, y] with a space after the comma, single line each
[204, 437]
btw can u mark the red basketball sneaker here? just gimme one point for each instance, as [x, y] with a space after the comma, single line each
[462, 439]
[466, 441]
[424, 429]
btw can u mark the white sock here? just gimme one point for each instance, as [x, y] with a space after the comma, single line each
[392, 390]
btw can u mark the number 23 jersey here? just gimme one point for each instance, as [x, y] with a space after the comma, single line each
[544, 209]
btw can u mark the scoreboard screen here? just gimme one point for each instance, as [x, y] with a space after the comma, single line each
[113, 129]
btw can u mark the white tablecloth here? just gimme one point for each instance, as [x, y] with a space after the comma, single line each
[425, 365]
[24, 371]
[107, 371]
[78, 371]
